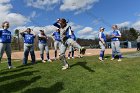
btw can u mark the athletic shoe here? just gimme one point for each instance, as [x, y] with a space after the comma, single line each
[119, 60]
[72, 57]
[112, 58]
[10, 67]
[82, 50]
[65, 67]
[80, 56]
[68, 57]
[50, 60]
[100, 58]
[55, 58]
[43, 61]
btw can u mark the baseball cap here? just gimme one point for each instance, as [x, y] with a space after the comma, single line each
[102, 28]
[41, 30]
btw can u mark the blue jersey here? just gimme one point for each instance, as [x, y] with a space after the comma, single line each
[115, 33]
[56, 36]
[73, 36]
[102, 36]
[28, 38]
[5, 36]
[42, 40]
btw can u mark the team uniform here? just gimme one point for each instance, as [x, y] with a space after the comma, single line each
[66, 41]
[102, 40]
[5, 45]
[115, 44]
[57, 42]
[43, 45]
[71, 48]
[28, 47]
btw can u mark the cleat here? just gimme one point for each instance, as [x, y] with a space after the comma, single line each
[82, 50]
[100, 58]
[55, 58]
[112, 58]
[119, 60]
[50, 60]
[65, 67]
[43, 61]
[10, 67]
[68, 57]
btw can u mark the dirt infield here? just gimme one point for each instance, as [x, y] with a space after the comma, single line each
[89, 52]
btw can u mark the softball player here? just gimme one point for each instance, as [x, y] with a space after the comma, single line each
[115, 43]
[71, 48]
[102, 40]
[65, 31]
[43, 45]
[57, 41]
[5, 43]
[28, 36]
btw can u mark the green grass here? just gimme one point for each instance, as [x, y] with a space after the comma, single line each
[86, 75]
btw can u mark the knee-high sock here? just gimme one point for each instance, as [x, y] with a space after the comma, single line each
[69, 54]
[63, 59]
[48, 56]
[72, 53]
[55, 53]
[42, 56]
[9, 62]
[102, 54]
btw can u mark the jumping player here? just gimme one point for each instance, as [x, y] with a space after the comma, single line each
[71, 48]
[5, 43]
[43, 45]
[57, 41]
[102, 40]
[66, 41]
[115, 43]
[28, 36]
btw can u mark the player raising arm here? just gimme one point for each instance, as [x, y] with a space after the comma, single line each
[28, 36]
[43, 45]
[66, 41]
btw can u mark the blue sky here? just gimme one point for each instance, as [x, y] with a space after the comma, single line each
[85, 16]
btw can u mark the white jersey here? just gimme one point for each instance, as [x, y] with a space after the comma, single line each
[65, 31]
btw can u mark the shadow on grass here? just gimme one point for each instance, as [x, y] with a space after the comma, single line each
[3, 72]
[17, 85]
[14, 76]
[56, 88]
[107, 57]
[29, 64]
[83, 64]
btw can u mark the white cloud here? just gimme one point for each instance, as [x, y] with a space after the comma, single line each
[124, 24]
[48, 29]
[33, 14]
[67, 5]
[42, 4]
[137, 14]
[79, 6]
[87, 33]
[4, 1]
[15, 19]
[136, 25]
[74, 26]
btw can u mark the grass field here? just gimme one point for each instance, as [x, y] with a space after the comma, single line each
[86, 75]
